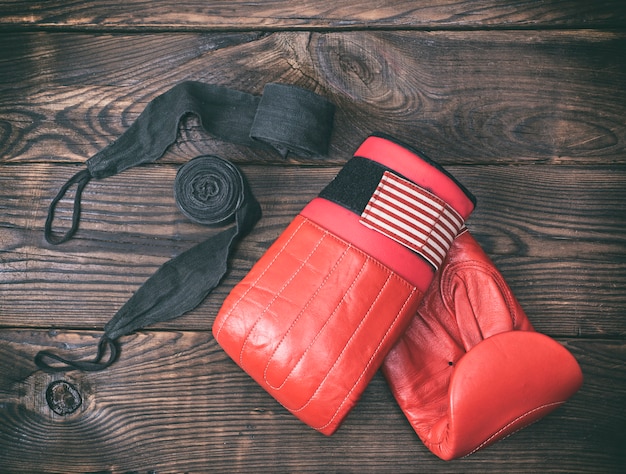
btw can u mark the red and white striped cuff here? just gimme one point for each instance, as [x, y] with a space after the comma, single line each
[413, 217]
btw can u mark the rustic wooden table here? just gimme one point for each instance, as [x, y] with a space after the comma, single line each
[525, 102]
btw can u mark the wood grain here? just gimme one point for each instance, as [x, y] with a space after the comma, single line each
[464, 97]
[523, 101]
[280, 14]
[175, 402]
[558, 238]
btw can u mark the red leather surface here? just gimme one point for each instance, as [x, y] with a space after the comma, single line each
[313, 320]
[470, 369]
[501, 385]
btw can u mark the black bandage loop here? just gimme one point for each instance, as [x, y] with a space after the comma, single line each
[52, 362]
[80, 179]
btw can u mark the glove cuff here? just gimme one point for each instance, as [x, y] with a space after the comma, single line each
[396, 206]
[417, 167]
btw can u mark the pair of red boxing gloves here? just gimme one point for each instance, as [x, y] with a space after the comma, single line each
[379, 272]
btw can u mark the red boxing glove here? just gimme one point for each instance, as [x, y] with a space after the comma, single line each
[316, 315]
[470, 368]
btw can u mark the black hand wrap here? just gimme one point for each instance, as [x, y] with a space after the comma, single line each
[285, 118]
[208, 190]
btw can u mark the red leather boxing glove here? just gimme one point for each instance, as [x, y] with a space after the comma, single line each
[316, 315]
[470, 368]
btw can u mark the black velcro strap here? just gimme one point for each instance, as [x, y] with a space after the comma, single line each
[354, 185]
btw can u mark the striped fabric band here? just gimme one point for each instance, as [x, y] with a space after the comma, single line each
[412, 216]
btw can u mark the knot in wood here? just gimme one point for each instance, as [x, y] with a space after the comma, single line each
[63, 398]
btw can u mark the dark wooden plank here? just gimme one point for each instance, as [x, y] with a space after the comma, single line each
[174, 402]
[471, 97]
[277, 14]
[557, 233]
[479, 86]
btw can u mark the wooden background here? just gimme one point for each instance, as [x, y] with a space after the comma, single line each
[525, 102]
